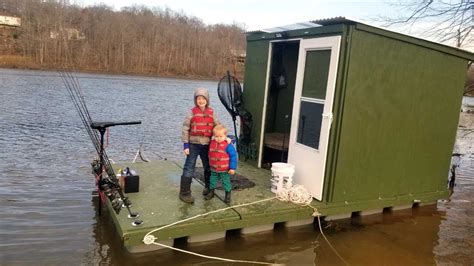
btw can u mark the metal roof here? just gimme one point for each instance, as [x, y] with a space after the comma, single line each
[334, 20]
[296, 26]
[306, 25]
[282, 31]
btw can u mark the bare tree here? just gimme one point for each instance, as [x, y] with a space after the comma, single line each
[446, 20]
[135, 40]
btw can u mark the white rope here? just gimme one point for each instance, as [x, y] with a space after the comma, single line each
[333, 249]
[296, 194]
[207, 213]
[300, 196]
[136, 156]
[215, 258]
[150, 239]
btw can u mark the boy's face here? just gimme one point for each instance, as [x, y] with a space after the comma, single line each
[201, 101]
[220, 135]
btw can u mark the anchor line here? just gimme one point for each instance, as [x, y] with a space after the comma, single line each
[215, 258]
[207, 213]
[297, 195]
[329, 243]
[150, 239]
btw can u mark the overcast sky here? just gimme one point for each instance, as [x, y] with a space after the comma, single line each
[262, 14]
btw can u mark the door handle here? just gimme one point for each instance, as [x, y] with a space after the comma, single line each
[328, 116]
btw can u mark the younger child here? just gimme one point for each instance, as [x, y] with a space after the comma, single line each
[196, 135]
[223, 160]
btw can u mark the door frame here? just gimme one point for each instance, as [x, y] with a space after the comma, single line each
[265, 96]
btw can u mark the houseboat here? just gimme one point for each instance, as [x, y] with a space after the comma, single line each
[366, 116]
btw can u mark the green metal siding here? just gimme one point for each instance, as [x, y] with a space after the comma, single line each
[254, 85]
[338, 108]
[401, 108]
[417, 41]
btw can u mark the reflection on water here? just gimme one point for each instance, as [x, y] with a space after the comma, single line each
[406, 237]
[49, 216]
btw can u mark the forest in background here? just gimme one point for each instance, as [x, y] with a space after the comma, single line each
[134, 40]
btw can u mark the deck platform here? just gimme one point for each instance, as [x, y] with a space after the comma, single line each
[158, 205]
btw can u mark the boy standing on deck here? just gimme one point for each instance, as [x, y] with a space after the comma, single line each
[223, 160]
[196, 135]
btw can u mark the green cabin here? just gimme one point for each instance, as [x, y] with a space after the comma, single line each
[363, 113]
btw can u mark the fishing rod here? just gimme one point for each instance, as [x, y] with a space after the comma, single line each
[80, 106]
[107, 184]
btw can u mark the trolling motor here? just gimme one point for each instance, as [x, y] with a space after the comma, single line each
[110, 185]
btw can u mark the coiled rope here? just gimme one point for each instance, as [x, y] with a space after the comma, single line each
[296, 194]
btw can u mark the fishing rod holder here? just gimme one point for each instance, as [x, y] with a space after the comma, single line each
[107, 184]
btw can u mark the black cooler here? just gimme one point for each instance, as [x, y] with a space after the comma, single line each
[132, 181]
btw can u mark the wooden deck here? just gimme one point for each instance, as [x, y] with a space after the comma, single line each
[158, 205]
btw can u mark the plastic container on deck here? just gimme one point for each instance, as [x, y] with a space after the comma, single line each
[282, 176]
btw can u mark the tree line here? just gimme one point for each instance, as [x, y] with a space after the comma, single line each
[136, 39]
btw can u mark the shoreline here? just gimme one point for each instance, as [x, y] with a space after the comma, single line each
[113, 73]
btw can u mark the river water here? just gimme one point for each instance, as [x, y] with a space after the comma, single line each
[49, 216]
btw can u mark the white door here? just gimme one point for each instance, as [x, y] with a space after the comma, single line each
[312, 111]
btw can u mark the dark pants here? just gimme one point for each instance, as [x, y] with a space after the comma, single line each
[195, 150]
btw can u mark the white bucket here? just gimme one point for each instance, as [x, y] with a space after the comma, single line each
[282, 176]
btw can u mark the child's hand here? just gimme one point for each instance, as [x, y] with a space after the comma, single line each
[232, 171]
[186, 152]
[229, 140]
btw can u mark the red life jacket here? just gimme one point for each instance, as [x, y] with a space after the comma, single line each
[218, 157]
[202, 122]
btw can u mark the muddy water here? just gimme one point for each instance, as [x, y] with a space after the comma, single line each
[49, 218]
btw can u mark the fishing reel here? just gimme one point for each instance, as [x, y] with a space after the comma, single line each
[116, 204]
[96, 167]
[107, 185]
[126, 202]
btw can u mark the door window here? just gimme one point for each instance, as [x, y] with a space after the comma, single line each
[313, 96]
[316, 74]
[309, 126]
